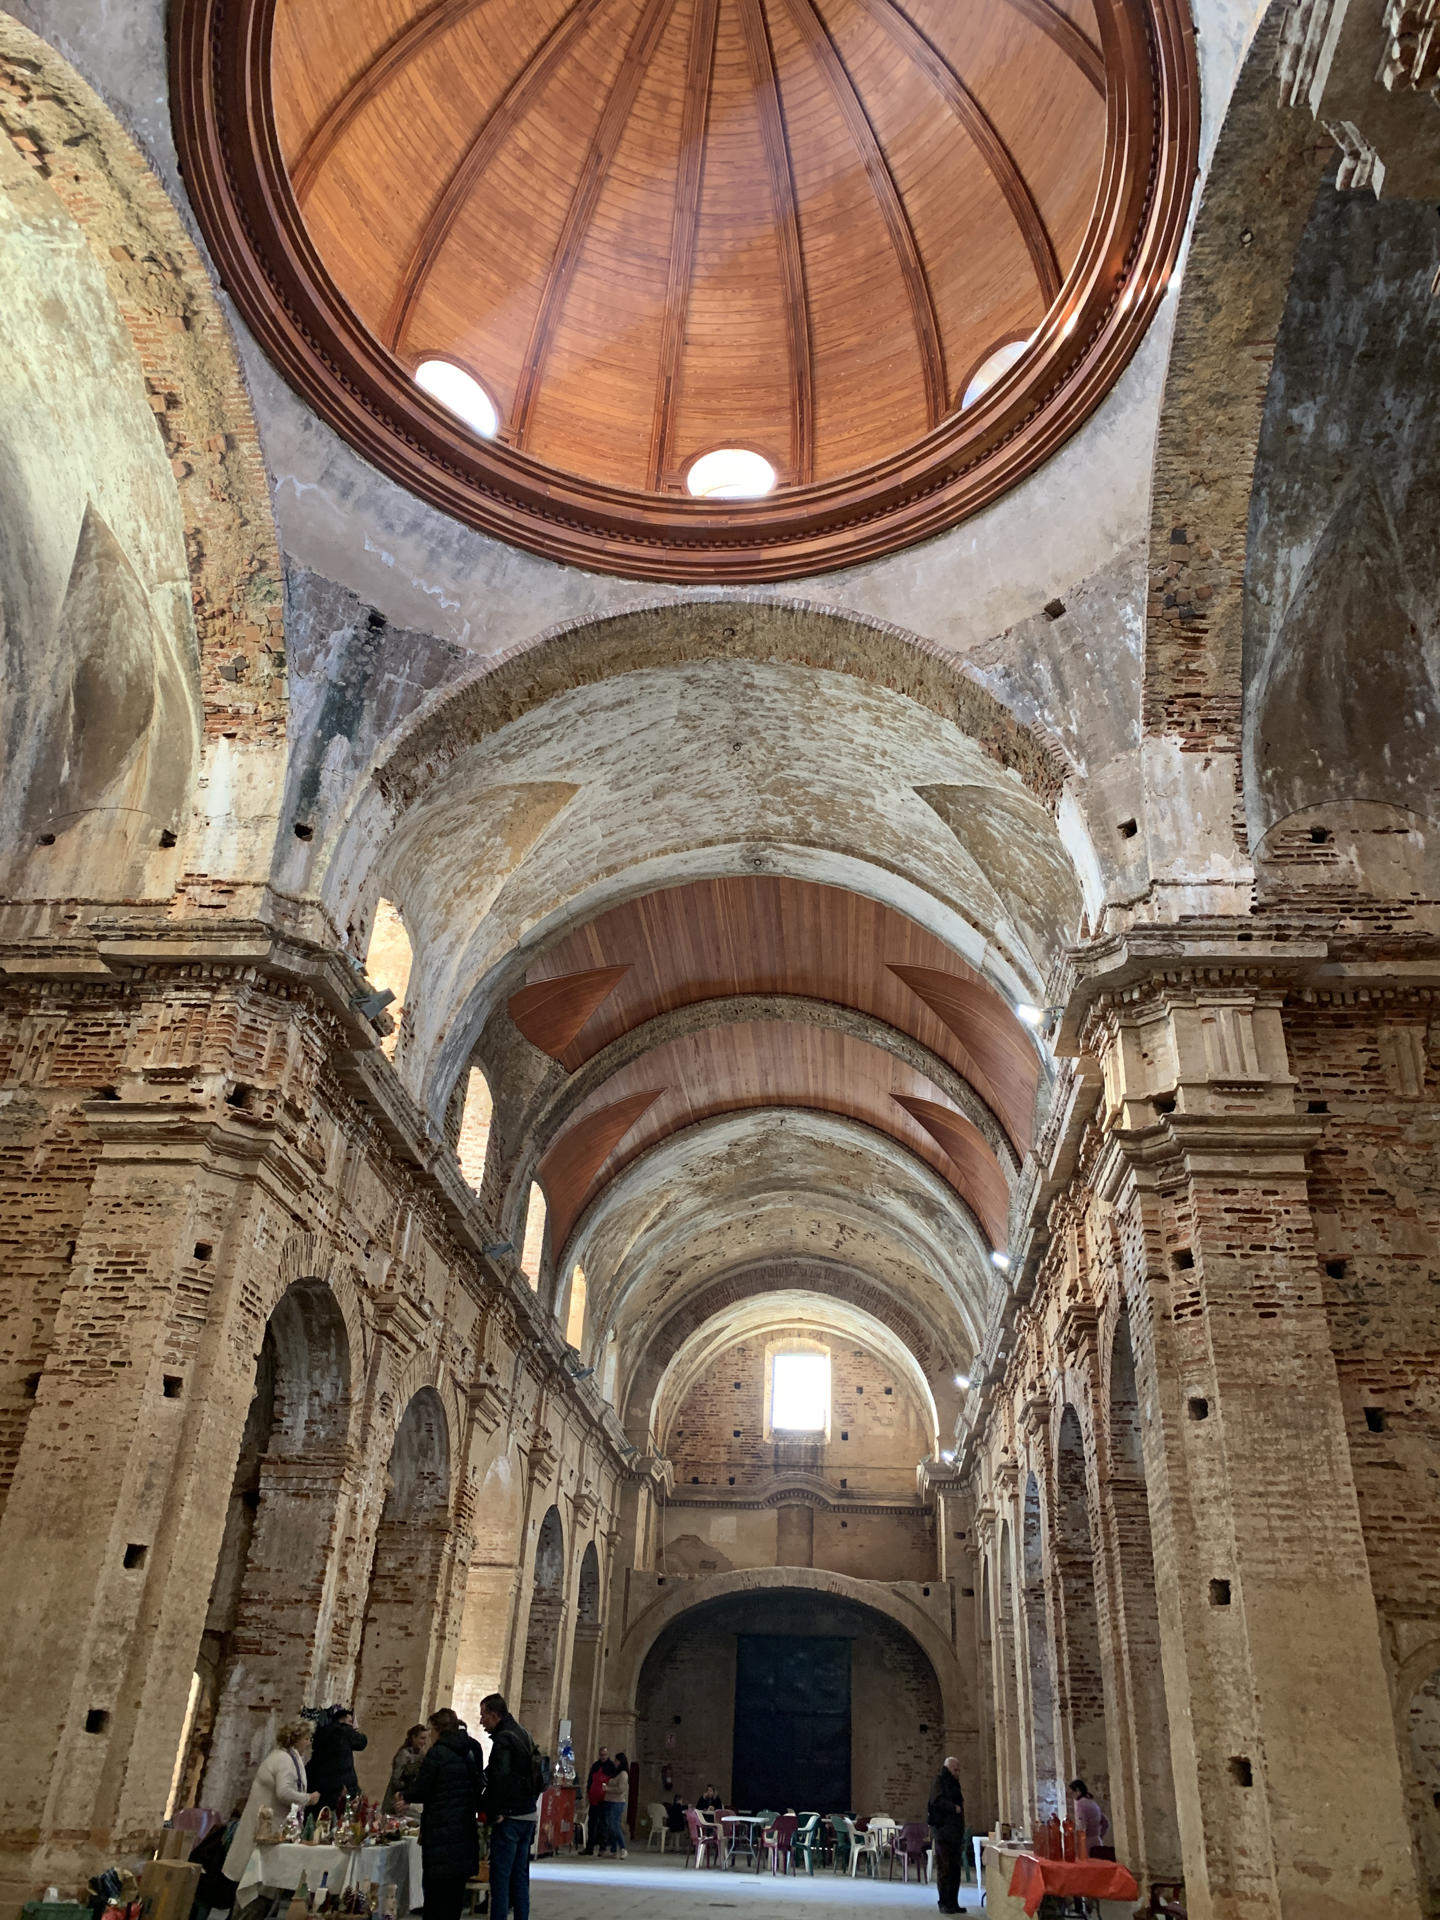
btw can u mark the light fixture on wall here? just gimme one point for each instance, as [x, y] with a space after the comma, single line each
[497, 1247]
[1000, 1260]
[368, 1005]
[962, 1380]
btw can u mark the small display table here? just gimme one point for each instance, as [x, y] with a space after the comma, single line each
[556, 1826]
[1016, 1881]
[280, 1866]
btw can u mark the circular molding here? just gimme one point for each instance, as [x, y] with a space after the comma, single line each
[234, 169]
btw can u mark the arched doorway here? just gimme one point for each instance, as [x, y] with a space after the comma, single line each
[585, 1662]
[1082, 1688]
[542, 1643]
[266, 1637]
[1156, 1844]
[1049, 1788]
[792, 1697]
[1423, 1724]
[394, 1680]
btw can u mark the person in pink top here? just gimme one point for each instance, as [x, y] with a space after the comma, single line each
[1091, 1821]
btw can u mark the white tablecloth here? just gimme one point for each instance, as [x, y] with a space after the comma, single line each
[279, 1869]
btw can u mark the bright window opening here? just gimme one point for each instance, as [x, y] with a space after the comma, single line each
[800, 1392]
[388, 962]
[461, 393]
[990, 370]
[474, 1139]
[534, 1236]
[575, 1322]
[730, 473]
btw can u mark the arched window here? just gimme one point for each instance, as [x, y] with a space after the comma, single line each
[471, 1147]
[534, 1246]
[990, 369]
[461, 393]
[730, 473]
[388, 964]
[575, 1319]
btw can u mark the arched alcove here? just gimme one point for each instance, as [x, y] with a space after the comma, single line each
[575, 1309]
[585, 1661]
[532, 1251]
[792, 1697]
[473, 1142]
[490, 1583]
[394, 1684]
[263, 1646]
[388, 962]
[1082, 1689]
[1008, 1739]
[1049, 1788]
[1157, 1844]
[542, 1642]
[1422, 1720]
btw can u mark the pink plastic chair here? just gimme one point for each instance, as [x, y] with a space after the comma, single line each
[197, 1820]
[912, 1844]
[704, 1847]
[779, 1842]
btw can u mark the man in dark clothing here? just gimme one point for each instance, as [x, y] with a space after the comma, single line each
[331, 1769]
[595, 1798]
[946, 1814]
[511, 1795]
[449, 1789]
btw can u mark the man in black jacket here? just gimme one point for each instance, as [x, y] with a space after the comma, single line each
[331, 1768]
[946, 1814]
[449, 1789]
[511, 1797]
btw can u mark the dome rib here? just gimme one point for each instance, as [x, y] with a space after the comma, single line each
[685, 233]
[998, 158]
[1071, 40]
[816, 34]
[508, 111]
[619, 103]
[765, 80]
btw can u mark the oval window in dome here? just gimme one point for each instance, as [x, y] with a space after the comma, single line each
[990, 369]
[461, 393]
[730, 473]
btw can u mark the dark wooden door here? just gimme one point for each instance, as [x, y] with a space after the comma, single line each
[792, 1722]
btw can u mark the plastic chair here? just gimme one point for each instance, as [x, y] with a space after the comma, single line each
[912, 1847]
[808, 1842]
[864, 1845]
[704, 1847]
[197, 1820]
[658, 1822]
[779, 1841]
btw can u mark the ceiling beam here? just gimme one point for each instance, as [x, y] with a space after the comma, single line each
[372, 80]
[684, 236]
[614, 117]
[977, 123]
[820, 43]
[507, 112]
[1071, 39]
[775, 139]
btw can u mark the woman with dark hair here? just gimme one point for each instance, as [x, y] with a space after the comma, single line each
[404, 1767]
[617, 1798]
[449, 1788]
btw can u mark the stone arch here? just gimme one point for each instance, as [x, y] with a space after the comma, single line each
[539, 1678]
[1081, 1684]
[266, 1639]
[1417, 1702]
[497, 1527]
[399, 1643]
[1010, 1740]
[134, 661]
[585, 1659]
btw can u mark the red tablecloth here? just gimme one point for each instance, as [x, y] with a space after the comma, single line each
[1033, 1878]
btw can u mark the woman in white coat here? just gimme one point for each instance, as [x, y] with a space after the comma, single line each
[280, 1784]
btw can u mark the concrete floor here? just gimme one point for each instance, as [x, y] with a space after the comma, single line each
[647, 1888]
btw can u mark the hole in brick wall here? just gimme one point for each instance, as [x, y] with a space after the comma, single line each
[660, 1581]
[32, 1385]
[203, 1250]
[1182, 1259]
[1129, 829]
[926, 1592]
[732, 1480]
[859, 1389]
[1164, 1103]
[172, 1386]
[1335, 1269]
[303, 830]
[674, 1719]
[1219, 1593]
[1376, 1419]
[967, 1593]
[1317, 1106]
[1320, 836]
[375, 620]
[845, 1523]
[737, 1386]
[735, 1433]
[45, 840]
[1244, 936]
[889, 1389]
[844, 1436]
[1241, 1771]
[1199, 1407]
[240, 1095]
[167, 837]
[251, 1498]
[1436, 1798]
[135, 1556]
[107, 1093]
[844, 1483]
[97, 1720]
[694, 1479]
[923, 1727]
[1053, 609]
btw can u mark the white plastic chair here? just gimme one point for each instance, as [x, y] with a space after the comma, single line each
[659, 1822]
[863, 1846]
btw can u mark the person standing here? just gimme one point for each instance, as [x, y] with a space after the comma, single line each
[281, 1782]
[595, 1798]
[617, 1799]
[403, 1769]
[1091, 1821]
[512, 1789]
[449, 1788]
[332, 1766]
[946, 1814]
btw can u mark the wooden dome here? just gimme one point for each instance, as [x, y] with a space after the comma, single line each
[650, 229]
